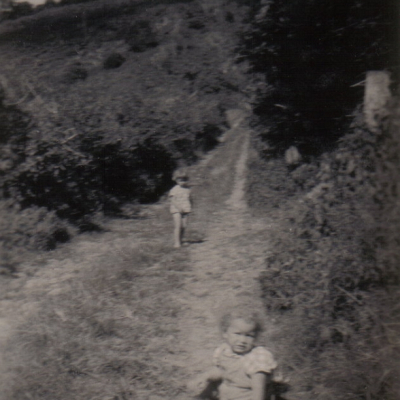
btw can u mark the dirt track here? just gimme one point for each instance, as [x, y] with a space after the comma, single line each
[225, 266]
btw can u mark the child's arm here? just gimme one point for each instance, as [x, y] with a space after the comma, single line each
[260, 382]
[197, 385]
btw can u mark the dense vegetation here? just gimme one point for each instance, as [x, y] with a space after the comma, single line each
[106, 105]
[332, 276]
[112, 101]
[313, 54]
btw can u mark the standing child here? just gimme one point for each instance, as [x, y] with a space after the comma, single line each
[244, 369]
[181, 205]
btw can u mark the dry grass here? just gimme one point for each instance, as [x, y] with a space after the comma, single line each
[105, 335]
[331, 279]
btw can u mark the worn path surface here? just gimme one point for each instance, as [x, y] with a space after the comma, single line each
[225, 267]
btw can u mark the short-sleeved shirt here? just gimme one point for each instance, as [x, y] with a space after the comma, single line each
[237, 370]
[181, 197]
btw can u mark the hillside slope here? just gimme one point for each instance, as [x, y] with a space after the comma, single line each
[109, 99]
[175, 74]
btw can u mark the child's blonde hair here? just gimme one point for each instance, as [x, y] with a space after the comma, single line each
[180, 174]
[249, 316]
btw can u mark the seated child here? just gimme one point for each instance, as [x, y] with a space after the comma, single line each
[181, 205]
[244, 369]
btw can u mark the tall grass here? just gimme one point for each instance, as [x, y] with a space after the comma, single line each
[332, 276]
[106, 334]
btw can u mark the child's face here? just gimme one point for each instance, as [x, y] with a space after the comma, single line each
[240, 336]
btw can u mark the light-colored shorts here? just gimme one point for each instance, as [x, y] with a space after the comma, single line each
[184, 214]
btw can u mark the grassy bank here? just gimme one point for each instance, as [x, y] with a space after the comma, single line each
[106, 330]
[332, 278]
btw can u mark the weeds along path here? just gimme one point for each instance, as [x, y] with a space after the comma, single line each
[167, 316]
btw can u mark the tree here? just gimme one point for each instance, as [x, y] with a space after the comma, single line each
[312, 52]
[9, 9]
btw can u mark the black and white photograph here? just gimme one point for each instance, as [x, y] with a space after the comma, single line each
[199, 200]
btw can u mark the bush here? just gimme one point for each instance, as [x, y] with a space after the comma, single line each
[114, 60]
[29, 229]
[140, 37]
[13, 125]
[95, 176]
[207, 138]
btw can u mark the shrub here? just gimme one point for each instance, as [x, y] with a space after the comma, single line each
[229, 17]
[32, 228]
[29, 229]
[207, 138]
[185, 147]
[95, 176]
[114, 60]
[140, 37]
[196, 24]
[13, 125]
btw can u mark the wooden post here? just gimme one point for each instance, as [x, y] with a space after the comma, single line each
[376, 97]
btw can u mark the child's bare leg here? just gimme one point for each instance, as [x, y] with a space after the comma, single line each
[183, 225]
[177, 229]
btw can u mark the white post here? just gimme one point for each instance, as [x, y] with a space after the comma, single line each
[376, 97]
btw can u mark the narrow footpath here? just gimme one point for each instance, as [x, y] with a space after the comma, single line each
[225, 267]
